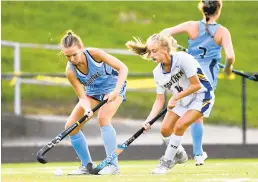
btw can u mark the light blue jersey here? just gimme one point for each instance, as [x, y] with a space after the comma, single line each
[100, 80]
[206, 51]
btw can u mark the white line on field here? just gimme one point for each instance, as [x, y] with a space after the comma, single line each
[148, 174]
[66, 168]
[123, 166]
[65, 172]
[69, 167]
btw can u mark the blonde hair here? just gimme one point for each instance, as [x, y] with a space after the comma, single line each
[71, 39]
[210, 8]
[140, 48]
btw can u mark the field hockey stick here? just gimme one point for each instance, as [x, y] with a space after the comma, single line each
[61, 136]
[250, 77]
[254, 77]
[121, 147]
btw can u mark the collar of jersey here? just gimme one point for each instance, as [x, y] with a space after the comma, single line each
[171, 66]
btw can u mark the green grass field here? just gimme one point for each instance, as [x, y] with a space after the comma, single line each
[219, 170]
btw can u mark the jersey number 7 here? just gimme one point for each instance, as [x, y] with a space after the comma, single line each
[204, 51]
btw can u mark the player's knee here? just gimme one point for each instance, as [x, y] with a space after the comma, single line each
[76, 130]
[165, 131]
[200, 120]
[179, 129]
[103, 121]
[67, 125]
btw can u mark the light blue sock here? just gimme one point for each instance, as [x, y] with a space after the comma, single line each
[108, 134]
[197, 133]
[80, 145]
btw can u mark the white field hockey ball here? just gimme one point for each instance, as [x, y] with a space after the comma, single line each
[58, 172]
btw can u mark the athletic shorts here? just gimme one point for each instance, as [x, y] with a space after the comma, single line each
[202, 102]
[100, 97]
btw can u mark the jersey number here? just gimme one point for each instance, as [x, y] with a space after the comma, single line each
[179, 89]
[204, 51]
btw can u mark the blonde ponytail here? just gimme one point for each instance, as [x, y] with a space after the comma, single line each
[173, 46]
[138, 47]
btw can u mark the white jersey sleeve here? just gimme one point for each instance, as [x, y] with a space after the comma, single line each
[188, 64]
[159, 88]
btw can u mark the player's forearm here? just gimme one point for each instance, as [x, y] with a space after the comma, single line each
[191, 89]
[166, 32]
[83, 99]
[229, 65]
[230, 61]
[157, 106]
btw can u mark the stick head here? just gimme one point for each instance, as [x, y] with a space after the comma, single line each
[256, 76]
[41, 158]
[92, 170]
[89, 166]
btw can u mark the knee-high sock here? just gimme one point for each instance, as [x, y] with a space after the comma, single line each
[180, 148]
[80, 145]
[197, 133]
[108, 134]
[174, 143]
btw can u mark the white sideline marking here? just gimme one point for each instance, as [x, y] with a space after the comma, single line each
[51, 169]
[126, 166]
[69, 167]
[28, 170]
[121, 166]
[147, 174]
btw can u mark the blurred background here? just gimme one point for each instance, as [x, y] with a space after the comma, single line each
[35, 107]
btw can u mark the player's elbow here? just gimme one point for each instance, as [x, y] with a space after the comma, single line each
[124, 69]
